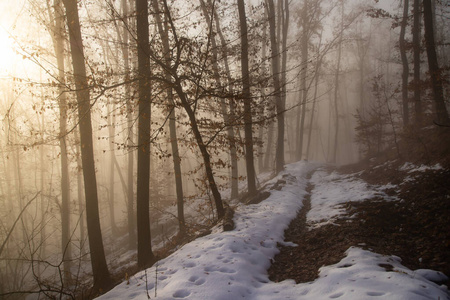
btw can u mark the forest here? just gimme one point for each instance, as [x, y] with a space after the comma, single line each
[130, 127]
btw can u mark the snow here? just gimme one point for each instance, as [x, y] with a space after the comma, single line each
[233, 265]
[410, 168]
[332, 191]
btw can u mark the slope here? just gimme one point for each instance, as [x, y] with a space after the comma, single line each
[234, 264]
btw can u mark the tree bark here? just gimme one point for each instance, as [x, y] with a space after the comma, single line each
[80, 196]
[316, 84]
[433, 66]
[112, 156]
[251, 176]
[102, 279]
[336, 87]
[262, 73]
[285, 31]
[203, 149]
[279, 156]
[416, 55]
[404, 58]
[303, 73]
[145, 254]
[130, 120]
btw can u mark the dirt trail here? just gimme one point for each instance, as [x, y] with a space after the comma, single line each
[415, 228]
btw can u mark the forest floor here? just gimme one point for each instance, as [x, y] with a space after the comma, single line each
[416, 227]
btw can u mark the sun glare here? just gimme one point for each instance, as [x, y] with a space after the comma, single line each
[7, 55]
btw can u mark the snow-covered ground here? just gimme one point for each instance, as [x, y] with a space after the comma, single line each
[233, 265]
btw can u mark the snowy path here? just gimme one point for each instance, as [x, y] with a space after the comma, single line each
[233, 265]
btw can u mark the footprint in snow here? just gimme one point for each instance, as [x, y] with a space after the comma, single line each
[227, 270]
[375, 294]
[197, 280]
[181, 294]
[189, 265]
[171, 272]
[337, 295]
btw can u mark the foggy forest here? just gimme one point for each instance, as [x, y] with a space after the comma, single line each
[131, 127]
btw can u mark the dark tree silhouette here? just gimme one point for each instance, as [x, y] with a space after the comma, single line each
[433, 66]
[279, 156]
[102, 279]
[145, 255]
[416, 52]
[251, 183]
[405, 73]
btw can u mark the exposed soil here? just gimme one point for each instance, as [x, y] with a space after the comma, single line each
[416, 227]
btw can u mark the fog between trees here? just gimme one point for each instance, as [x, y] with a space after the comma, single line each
[128, 125]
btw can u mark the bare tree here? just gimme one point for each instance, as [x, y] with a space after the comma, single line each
[163, 32]
[230, 115]
[416, 51]
[433, 65]
[177, 83]
[102, 279]
[405, 73]
[130, 120]
[58, 44]
[227, 116]
[280, 106]
[251, 182]
[336, 86]
[145, 254]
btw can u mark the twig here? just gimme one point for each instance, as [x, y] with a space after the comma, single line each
[146, 284]
[15, 222]
[156, 278]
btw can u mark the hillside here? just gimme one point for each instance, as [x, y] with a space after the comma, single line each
[370, 228]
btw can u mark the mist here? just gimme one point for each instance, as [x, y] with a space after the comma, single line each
[330, 72]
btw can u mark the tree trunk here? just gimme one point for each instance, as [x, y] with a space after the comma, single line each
[230, 115]
[316, 84]
[43, 204]
[405, 73]
[203, 149]
[336, 87]
[130, 121]
[163, 31]
[416, 53]
[58, 44]
[263, 95]
[251, 182]
[284, 50]
[279, 157]
[80, 194]
[178, 87]
[433, 66]
[226, 116]
[112, 157]
[145, 254]
[102, 279]
[303, 73]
